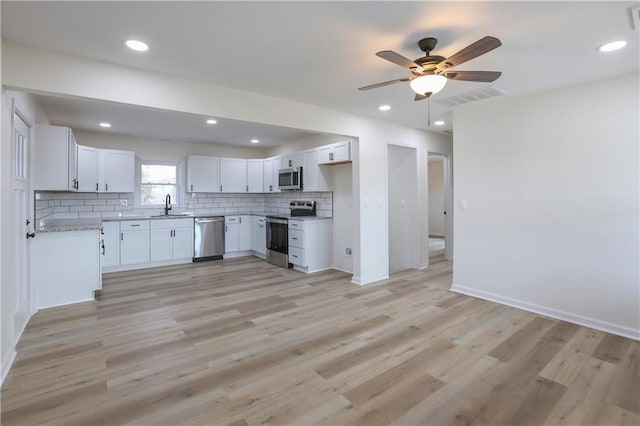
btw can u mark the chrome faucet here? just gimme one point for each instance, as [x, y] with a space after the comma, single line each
[167, 204]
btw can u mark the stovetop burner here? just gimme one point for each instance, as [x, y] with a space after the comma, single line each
[302, 208]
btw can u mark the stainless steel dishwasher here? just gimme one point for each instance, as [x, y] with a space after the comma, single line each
[208, 238]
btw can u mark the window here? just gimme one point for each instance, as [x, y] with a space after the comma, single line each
[156, 181]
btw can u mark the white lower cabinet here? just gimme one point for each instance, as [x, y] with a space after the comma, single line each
[310, 244]
[237, 235]
[171, 239]
[134, 242]
[110, 244]
[259, 235]
[66, 267]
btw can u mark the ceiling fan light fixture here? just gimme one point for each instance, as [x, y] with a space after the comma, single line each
[432, 83]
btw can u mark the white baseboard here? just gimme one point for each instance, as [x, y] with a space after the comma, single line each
[359, 281]
[7, 366]
[121, 268]
[550, 312]
[342, 270]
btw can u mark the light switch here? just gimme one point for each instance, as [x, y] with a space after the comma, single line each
[462, 203]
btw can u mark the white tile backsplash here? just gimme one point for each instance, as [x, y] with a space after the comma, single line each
[71, 205]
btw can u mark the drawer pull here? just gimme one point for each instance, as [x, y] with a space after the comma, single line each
[137, 224]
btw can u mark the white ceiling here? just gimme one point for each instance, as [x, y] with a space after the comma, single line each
[321, 52]
[83, 114]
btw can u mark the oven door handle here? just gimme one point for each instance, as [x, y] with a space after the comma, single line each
[280, 221]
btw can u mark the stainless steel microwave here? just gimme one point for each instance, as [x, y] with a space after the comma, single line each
[290, 179]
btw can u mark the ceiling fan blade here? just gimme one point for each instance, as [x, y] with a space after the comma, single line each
[385, 83]
[480, 47]
[398, 59]
[483, 76]
[421, 97]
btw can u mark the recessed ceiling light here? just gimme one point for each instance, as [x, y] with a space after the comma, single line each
[384, 107]
[439, 123]
[104, 124]
[255, 141]
[610, 47]
[137, 45]
[211, 121]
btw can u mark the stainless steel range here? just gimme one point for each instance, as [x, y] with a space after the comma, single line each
[302, 208]
[278, 231]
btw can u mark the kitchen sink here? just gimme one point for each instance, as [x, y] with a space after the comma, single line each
[174, 215]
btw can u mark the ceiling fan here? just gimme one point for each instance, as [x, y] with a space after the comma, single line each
[431, 72]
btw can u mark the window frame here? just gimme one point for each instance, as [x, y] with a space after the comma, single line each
[157, 162]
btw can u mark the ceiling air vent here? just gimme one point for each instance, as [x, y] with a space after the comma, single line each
[474, 95]
[635, 14]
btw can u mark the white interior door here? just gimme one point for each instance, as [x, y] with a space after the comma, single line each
[21, 212]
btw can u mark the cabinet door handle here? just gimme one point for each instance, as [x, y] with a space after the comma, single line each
[226, 229]
[103, 247]
[294, 238]
[97, 186]
[270, 187]
[122, 236]
[136, 224]
[220, 188]
[191, 188]
[240, 219]
[247, 188]
[106, 187]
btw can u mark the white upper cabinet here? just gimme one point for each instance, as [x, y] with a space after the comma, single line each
[292, 160]
[255, 175]
[339, 152]
[88, 169]
[203, 174]
[55, 159]
[233, 175]
[268, 176]
[310, 170]
[105, 170]
[118, 170]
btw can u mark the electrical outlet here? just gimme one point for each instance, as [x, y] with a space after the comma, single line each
[37, 195]
[123, 202]
[347, 251]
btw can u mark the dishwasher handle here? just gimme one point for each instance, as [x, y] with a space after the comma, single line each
[209, 219]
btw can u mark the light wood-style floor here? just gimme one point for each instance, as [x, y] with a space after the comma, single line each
[243, 342]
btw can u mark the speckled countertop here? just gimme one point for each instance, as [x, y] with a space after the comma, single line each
[64, 225]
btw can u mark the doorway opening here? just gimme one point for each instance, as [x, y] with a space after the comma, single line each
[403, 217]
[439, 212]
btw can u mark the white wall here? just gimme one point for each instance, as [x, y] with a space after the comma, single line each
[551, 182]
[343, 219]
[29, 107]
[403, 208]
[436, 197]
[36, 70]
